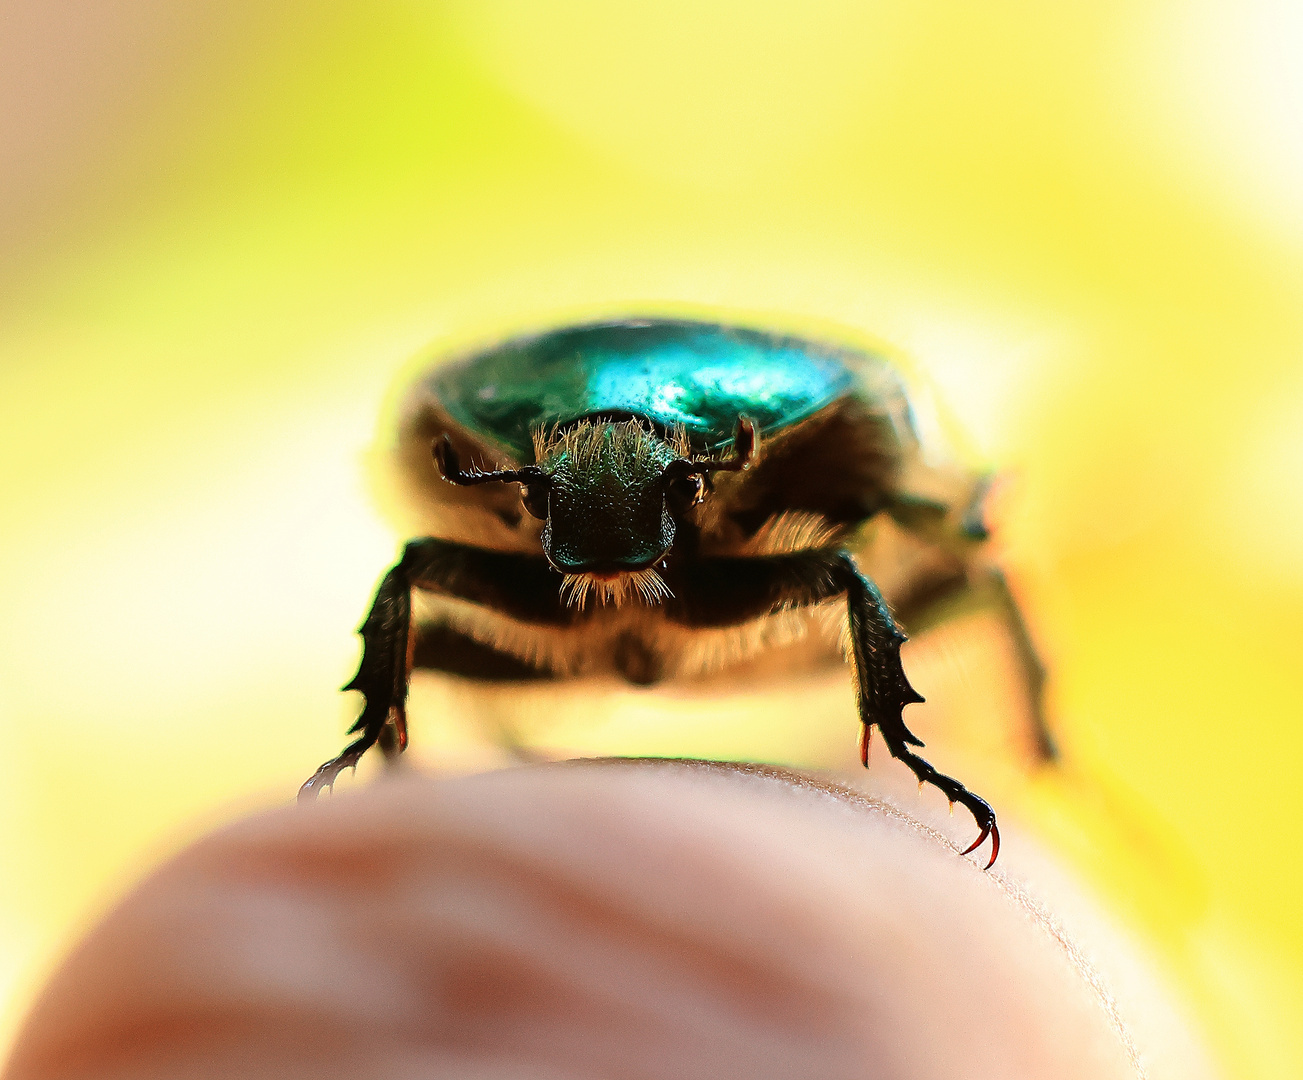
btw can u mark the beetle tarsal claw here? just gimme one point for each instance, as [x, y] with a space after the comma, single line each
[645, 585]
[993, 831]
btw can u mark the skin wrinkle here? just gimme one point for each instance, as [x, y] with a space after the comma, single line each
[507, 934]
[513, 895]
[333, 865]
[548, 890]
[504, 920]
[505, 956]
[866, 803]
[700, 952]
[857, 800]
[218, 1005]
[602, 918]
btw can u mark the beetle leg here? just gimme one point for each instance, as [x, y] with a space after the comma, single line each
[727, 591]
[1030, 665]
[381, 677]
[966, 577]
[883, 692]
[518, 585]
[953, 790]
[882, 686]
[986, 587]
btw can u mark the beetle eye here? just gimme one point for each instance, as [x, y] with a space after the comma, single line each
[534, 496]
[683, 491]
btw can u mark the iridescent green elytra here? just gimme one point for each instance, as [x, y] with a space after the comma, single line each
[699, 376]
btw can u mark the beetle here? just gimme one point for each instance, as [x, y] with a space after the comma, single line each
[666, 494]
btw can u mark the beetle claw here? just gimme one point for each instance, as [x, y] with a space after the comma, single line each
[992, 830]
[324, 778]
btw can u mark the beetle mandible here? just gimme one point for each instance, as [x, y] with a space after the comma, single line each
[665, 492]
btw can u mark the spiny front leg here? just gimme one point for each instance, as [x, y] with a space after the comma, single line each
[382, 678]
[728, 591]
[521, 586]
[883, 691]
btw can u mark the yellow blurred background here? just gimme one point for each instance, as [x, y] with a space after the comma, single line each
[227, 228]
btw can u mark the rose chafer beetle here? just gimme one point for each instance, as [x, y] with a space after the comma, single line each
[667, 495]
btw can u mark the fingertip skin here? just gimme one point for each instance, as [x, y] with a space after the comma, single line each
[622, 919]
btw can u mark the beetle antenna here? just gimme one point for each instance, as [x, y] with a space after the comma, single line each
[449, 463]
[746, 443]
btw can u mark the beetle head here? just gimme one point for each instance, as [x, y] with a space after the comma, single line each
[606, 509]
[610, 494]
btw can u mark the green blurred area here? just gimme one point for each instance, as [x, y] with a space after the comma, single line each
[227, 229]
